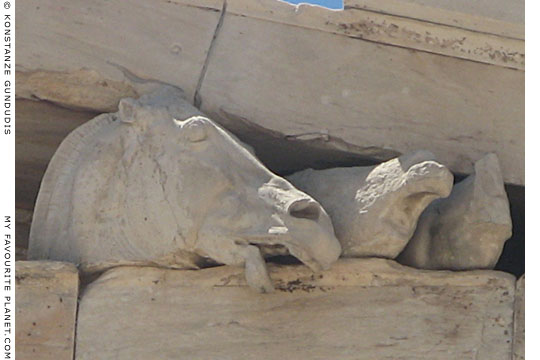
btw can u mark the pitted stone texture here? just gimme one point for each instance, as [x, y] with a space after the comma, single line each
[361, 96]
[359, 309]
[46, 306]
[519, 320]
[140, 44]
[375, 209]
[159, 184]
[82, 89]
[468, 229]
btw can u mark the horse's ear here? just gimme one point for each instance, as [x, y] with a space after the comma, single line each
[127, 109]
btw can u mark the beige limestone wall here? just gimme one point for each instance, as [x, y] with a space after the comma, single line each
[359, 309]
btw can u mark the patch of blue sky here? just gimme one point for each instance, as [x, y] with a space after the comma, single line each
[330, 4]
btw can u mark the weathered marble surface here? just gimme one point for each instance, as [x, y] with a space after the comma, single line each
[359, 309]
[159, 184]
[138, 42]
[468, 229]
[370, 81]
[519, 321]
[498, 17]
[481, 33]
[46, 306]
[362, 96]
[375, 209]
[81, 89]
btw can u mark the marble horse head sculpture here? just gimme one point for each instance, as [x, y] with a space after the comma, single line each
[159, 184]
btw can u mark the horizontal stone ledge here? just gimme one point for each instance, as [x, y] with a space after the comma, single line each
[301, 84]
[360, 308]
[345, 272]
[456, 33]
[499, 17]
[140, 43]
[401, 90]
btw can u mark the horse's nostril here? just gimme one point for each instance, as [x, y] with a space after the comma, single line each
[305, 209]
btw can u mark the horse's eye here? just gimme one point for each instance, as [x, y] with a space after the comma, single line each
[195, 129]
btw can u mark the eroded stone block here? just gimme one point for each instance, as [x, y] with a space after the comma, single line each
[46, 307]
[375, 208]
[468, 229]
[359, 309]
[82, 89]
[359, 96]
[139, 44]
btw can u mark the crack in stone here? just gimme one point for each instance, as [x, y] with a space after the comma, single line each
[162, 181]
[197, 101]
